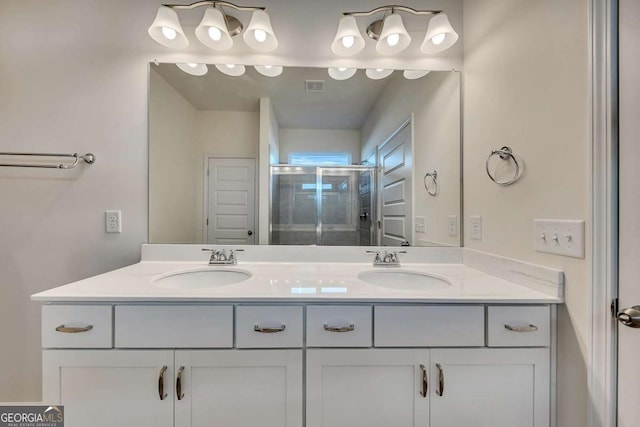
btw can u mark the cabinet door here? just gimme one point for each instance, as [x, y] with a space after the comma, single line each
[106, 388]
[239, 388]
[367, 388]
[489, 387]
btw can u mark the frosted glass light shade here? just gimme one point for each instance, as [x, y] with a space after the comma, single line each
[269, 70]
[231, 69]
[341, 73]
[213, 22]
[259, 34]
[414, 74]
[378, 73]
[166, 29]
[394, 36]
[440, 35]
[193, 68]
[348, 40]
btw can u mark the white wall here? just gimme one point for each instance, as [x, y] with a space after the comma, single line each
[526, 85]
[172, 158]
[319, 140]
[434, 101]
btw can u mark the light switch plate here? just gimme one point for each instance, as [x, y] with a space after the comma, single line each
[452, 225]
[476, 227]
[113, 221]
[421, 226]
[559, 237]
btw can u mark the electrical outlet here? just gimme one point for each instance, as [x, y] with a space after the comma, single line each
[476, 227]
[113, 221]
[452, 225]
[559, 237]
[421, 226]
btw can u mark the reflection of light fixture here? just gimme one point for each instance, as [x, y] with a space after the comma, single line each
[341, 73]
[440, 35]
[216, 28]
[166, 29]
[378, 73]
[390, 33]
[269, 70]
[414, 74]
[231, 69]
[348, 40]
[193, 68]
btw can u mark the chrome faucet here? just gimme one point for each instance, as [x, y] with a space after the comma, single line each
[220, 257]
[388, 259]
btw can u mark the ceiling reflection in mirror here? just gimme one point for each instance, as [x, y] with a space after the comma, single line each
[302, 158]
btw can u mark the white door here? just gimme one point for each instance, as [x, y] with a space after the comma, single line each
[366, 388]
[629, 237]
[396, 188]
[490, 387]
[239, 388]
[231, 194]
[106, 388]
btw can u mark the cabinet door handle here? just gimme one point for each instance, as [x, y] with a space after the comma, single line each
[425, 382]
[74, 329]
[349, 328]
[440, 389]
[530, 328]
[179, 392]
[161, 383]
[267, 330]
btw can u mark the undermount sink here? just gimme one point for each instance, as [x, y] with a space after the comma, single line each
[403, 280]
[202, 279]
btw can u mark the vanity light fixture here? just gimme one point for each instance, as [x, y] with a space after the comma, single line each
[233, 70]
[193, 68]
[378, 73]
[341, 73]
[390, 32]
[269, 70]
[414, 74]
[217, 29]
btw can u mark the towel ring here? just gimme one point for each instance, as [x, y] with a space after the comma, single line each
[504, 153]
[434, 177]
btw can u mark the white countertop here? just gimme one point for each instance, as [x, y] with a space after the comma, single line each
[294, 282]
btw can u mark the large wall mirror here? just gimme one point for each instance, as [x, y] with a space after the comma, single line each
[302, 158]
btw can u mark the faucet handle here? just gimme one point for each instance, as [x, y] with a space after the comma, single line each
[232, 255]
[377, 257]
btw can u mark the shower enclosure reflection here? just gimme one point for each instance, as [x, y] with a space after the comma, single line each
[329, 206]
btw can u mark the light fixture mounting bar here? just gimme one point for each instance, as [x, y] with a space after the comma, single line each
[214, 3]
[393, 8]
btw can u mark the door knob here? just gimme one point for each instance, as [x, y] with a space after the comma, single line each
[630, 316]
[250, 233]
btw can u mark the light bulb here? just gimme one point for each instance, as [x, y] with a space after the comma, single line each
[438, 38]
[342, 69]
[268, 67]
[169, 33]
[215, 33]
[260, 35]
[379, 70]
[393, 39]
[192, 64]
[232, 66]
[348, 41]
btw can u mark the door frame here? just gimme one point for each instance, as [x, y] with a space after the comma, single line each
[205, 189]
[603, 183]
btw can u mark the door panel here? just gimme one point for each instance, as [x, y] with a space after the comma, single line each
[629, 196]
[231, 201]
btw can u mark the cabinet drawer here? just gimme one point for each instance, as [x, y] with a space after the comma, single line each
[268, 326]
[192, 326]
[429, 326]
[519, 326]
[72, 326]
[338, 326]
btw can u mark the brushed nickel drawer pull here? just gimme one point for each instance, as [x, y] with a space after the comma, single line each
[267, 330]
[530, 328]
[179, 392]
[74, 329]
[440, 389]
[425, 382]
[161, 392]
[349, 328]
